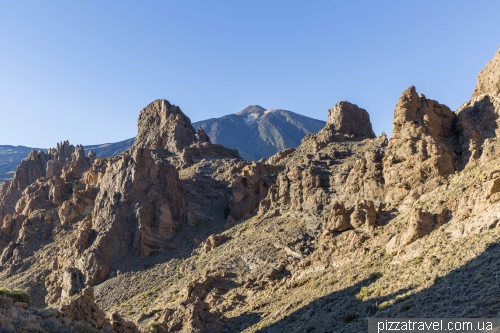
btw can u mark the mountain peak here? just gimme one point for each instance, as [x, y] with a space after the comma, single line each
[251, 109]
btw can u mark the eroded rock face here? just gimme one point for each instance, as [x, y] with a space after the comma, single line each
[419, 224]
[477, 122]
[421, 149]
[249, 187]
[488, 80]
[138, 206]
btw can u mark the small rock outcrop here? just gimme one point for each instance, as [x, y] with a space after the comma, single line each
[83, 308]
[350, 120]
[193, 314]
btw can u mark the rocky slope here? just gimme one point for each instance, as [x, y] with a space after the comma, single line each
[178, 234]
[259, 133]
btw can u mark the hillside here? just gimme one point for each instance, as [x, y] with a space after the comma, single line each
[259, 133]
[179, 234]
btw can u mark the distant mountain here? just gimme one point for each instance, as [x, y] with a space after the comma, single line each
[110, 149]
[11, 156]
[259, 133]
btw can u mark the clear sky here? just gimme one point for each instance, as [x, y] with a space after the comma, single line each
[83, 70]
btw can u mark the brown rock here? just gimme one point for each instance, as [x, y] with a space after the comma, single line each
[421, 146]
[205, 150]
[193, 318]
[5, 302]
[212, 242]
[249, 187]
[163, 125]
[350, 120]
[488, 80]
[364, 215]
[280, 155]
[420, 223]
[21, 305]
[339, 220]
[64, 283]
[137, 208]
[477, 121]
[84, 308]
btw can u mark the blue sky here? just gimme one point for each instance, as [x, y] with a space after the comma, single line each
[82, 71]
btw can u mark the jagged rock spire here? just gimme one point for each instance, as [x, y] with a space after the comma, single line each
[163, 125]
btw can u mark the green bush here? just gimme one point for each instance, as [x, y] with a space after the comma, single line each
[48, 312]
[364, 292]
[16, 295]
[152, 325]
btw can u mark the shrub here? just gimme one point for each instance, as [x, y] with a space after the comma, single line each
[384, 305]
[417, 261]
[152, 325]
[16, 295]
[82, 327]
[48, 312]
[364, 292]
[349, 317]
[328, 300]
[404, 307]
